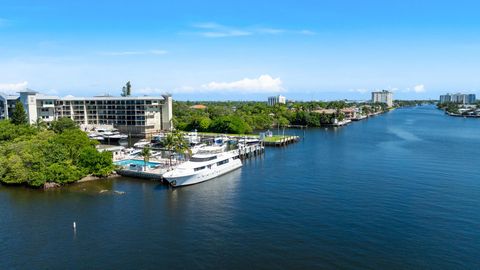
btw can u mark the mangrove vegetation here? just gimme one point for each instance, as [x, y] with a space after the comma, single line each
[60, 153]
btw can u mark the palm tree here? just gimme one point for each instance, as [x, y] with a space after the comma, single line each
[176, 143]
[282, 122]
[40, 124]
[146, 153]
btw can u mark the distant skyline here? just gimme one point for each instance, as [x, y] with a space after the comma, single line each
[244, 50]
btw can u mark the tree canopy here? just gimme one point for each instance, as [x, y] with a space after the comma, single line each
[127, 89]
[32, 156]
[19, 115]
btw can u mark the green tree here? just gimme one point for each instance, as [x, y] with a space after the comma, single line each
[63, 124]
[146, 153]
[40, 124]
[230, 124]
[200, 123]
[176, 143]
[32, 157]
[282, 122]
[96, 163]
[127, 89]
[19, 116]
[9, 131]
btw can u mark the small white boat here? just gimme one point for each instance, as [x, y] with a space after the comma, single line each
[115, 136]
[131, 153]
[141, 144]
[194, 149]
[221, 140]
[192, 138]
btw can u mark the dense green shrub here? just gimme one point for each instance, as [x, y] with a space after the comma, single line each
[64, 154]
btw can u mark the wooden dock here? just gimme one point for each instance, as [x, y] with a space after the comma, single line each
[250, 151]
[282, 141]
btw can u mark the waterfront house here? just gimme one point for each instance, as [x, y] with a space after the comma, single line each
[349, 113]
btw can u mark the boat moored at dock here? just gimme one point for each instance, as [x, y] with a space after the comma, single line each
[208, 163]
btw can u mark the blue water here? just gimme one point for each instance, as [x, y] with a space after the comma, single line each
[397, 191]
[136, 162]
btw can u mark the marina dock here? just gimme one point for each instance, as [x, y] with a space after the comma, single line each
[155, 170]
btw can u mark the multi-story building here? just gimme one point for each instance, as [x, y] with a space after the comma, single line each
[276, 100]
[383, 97]
[139, 116]
[458, 98]
[7, 104]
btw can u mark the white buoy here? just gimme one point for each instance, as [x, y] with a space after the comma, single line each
[74, 225]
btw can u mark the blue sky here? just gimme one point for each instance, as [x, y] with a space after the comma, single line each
[241, 49]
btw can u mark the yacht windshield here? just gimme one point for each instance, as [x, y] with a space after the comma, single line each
[202, 159]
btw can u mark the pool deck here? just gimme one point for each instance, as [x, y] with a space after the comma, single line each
[154, 173]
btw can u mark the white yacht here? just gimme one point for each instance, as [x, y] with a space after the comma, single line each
[208, 163]
[141, 143]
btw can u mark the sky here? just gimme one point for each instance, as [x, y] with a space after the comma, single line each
[241, 50]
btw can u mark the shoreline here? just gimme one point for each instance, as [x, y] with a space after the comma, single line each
[91, 178]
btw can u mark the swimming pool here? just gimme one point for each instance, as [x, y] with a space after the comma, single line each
[136, 162]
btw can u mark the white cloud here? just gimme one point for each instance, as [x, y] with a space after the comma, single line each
[208, 25]
[272, 31]
[307, 32]
[126, 53]
[11, 88]
[420, 88]
[215, 30]
[360, 90]
[227, 33]
[264, 83]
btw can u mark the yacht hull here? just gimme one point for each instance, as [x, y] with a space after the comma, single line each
[205, 175]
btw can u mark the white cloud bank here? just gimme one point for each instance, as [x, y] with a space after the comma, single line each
[11, 88]
[264, 83]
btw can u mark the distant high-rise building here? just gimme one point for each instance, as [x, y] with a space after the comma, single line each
[471, 98]
[458, 98]
[383, 97]
[277, 100]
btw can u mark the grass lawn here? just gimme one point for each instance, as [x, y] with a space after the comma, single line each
[275, 138]
[233, 135]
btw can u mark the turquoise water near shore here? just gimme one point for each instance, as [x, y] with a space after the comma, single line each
[396, 191]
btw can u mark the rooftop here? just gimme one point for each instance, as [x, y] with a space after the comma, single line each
[70, 98]
[73, 98]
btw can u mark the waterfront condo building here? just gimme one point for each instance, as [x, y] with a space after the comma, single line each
[276, 100]
[458, 98]
[138, 116]
[383, 97]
